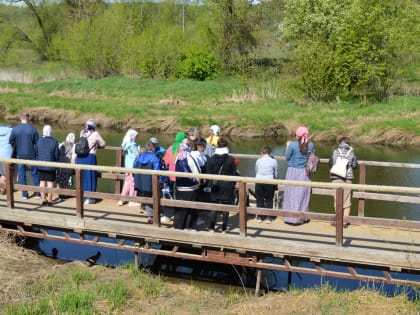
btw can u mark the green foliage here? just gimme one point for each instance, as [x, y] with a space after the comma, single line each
[199, 64]
[79, 276]
[233, 296]
[116, 293]
[231, 30]
[93, 45]
[350, 46]
[152, 286]
[74, 301]
[40, 307]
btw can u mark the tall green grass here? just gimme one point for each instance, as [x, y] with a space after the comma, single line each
[228, 102]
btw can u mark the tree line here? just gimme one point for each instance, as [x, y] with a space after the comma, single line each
[338, 49]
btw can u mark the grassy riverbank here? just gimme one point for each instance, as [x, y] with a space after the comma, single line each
[33, 284]
[248, 109]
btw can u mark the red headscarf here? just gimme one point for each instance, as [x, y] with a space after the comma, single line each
[302, 133]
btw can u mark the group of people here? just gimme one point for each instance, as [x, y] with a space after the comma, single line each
[23, 142]
[189, 153]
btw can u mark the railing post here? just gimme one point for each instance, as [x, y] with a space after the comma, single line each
[118, 163]
[10, 184]
[242, 204]
[78, 176]
[156, 199]
[362, 180]
[339, 213]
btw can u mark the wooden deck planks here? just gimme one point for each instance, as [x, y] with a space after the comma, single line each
[367, 245]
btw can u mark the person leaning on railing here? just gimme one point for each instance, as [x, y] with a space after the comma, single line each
[345, 150]
[297, 198]
[90, 178]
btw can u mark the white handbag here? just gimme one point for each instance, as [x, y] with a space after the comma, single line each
[340, 166]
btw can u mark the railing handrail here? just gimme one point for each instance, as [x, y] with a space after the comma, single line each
[241, 182]
[282, 182]
[323, 160]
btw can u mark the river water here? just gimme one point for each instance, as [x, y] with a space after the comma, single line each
[324, 204]
[272, 280]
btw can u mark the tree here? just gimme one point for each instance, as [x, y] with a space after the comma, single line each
[350, 46]
[231, 29]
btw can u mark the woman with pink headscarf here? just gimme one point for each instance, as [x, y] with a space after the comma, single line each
[296, 198]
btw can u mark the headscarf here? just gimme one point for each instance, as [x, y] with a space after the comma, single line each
[129, 137]
[303, 134]
[178, 139]
[215, 129]
[47, 131]
[185, 149]
[90, 126]
[70, 137]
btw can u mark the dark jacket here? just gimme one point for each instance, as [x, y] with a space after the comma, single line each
[23, 139]
[186, 163]
[145, 161]
[226, 192]
[46, 149]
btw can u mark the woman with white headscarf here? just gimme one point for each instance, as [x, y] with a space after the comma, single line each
[46, 149]
[131, 151]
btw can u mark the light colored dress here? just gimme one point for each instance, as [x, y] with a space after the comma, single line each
[297, 198]
[5, 147]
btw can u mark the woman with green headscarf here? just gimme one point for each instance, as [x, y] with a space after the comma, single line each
[172, 152]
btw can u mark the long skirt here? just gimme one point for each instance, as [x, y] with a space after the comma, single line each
[90, 178]
[296, 198]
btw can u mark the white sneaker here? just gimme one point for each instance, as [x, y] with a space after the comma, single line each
[258, 218]
[165, 218]
[120, 203]
[134, 204]
[268, 220]
[24, 198]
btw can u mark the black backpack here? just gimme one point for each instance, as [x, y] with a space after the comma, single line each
[82, 148]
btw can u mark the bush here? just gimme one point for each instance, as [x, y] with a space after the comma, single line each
[199, 64]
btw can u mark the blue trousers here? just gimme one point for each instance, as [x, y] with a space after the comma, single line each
[22, 178]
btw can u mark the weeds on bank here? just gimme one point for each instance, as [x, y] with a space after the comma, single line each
[80, 291]
[151, 286]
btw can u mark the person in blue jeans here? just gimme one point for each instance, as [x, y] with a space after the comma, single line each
[23, 139]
